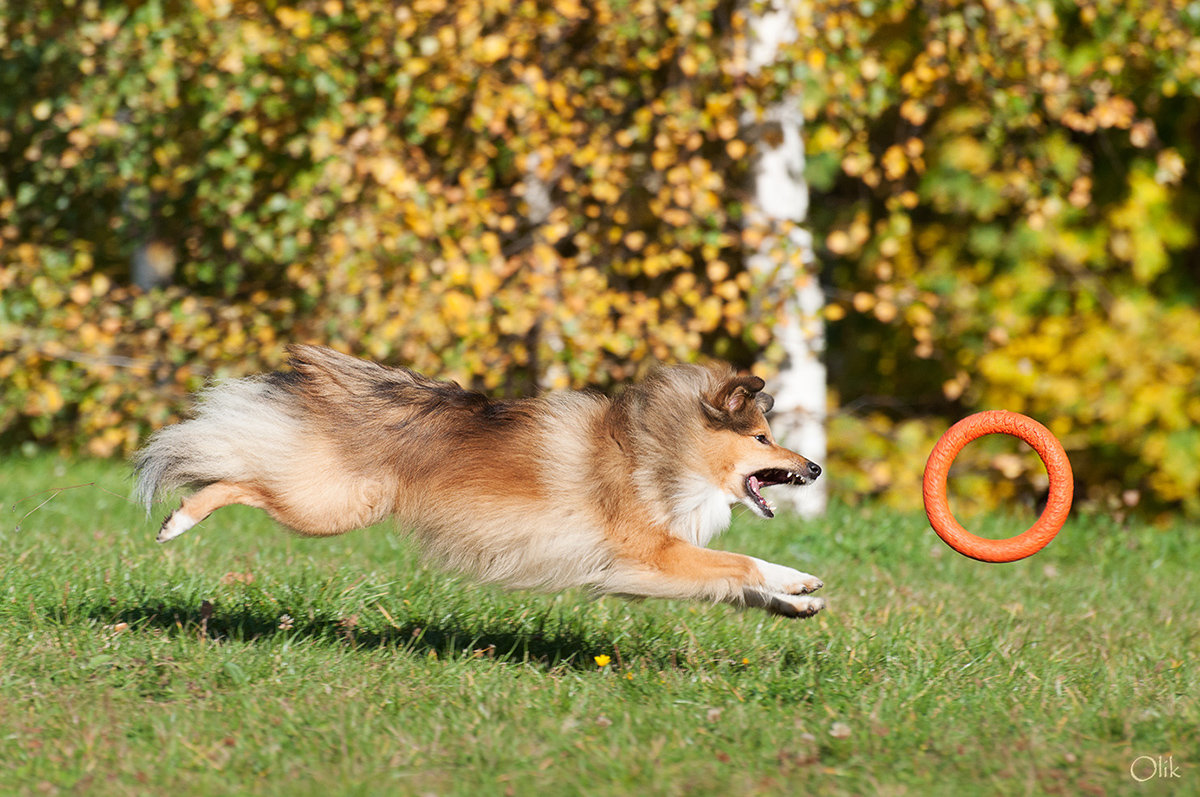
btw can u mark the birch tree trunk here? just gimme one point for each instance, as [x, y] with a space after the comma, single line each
[546, 339]
[779, 205]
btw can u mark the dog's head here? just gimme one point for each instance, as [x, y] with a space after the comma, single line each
[739, 446]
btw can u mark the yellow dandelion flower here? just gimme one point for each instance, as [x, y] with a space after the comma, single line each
[602, 660]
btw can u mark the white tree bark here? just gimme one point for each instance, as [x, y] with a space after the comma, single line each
[547, 340]
[779, 205]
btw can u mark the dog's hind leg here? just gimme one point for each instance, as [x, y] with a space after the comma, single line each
[204, 502]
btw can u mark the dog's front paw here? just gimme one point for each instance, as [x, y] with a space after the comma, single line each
[777, 578]
[795, 606]
[786, 605]
[784, 591]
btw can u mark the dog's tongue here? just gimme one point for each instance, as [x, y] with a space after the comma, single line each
[754, 485]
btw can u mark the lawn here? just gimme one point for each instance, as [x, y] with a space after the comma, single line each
[239, 659]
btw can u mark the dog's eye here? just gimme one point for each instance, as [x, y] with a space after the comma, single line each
[762, 438]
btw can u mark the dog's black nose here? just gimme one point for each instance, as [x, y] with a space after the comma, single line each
[814, 470]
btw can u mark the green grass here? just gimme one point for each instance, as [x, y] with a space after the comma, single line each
[132, 668]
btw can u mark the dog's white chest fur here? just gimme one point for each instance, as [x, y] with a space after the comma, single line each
[706, 512]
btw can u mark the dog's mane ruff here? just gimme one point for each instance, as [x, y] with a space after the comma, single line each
[701, 511]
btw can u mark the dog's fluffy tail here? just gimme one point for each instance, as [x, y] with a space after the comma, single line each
[241, 428]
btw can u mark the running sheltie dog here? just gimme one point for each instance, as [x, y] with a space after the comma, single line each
[568, 489]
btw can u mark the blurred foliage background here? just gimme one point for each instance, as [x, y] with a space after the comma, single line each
[550, 193]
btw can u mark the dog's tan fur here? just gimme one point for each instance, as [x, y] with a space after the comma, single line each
[569, 489]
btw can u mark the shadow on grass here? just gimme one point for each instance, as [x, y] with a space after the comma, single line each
[547, 643]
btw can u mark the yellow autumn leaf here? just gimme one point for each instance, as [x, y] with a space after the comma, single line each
[492, 48]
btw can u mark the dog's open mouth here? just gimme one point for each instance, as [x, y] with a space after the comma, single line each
[765, 478]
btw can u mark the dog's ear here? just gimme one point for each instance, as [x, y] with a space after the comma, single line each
[765, 402]
[733, 397]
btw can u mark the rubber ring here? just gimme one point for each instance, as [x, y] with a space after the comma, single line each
[937, 502]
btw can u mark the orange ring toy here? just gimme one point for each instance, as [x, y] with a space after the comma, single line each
[937, 469]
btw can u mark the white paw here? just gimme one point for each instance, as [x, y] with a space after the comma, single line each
[784, 591]
[797, 605]
[780, 579]
[176, 523]
[786, 605]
